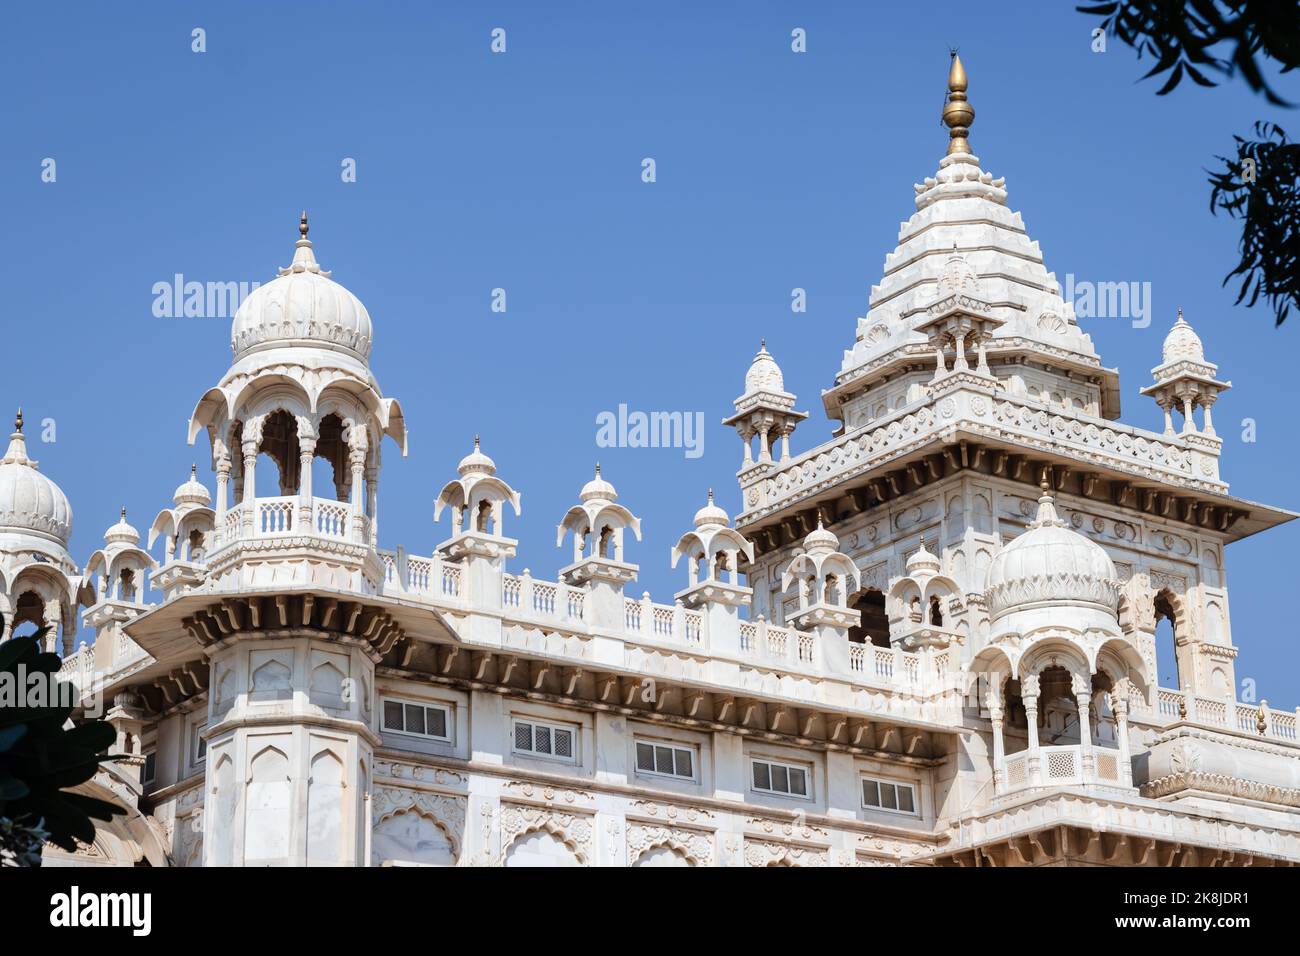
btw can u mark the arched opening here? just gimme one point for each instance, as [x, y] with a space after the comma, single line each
[1167, 652]
[874, 627]
[29, 614]
[540, 848]
[1058, 711]
[936, 611]
[605, 544]
[195, 545]
[279, 450]
[330, 463]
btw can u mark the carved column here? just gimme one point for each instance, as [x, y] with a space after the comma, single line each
[306, 453]
[250, 486]
[53, 617]
[223, 490]
[357, 459]
[1119, 706]
[1029, 690]
[1081, 685]
[999, 749]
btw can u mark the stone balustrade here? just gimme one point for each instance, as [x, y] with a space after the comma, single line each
[769, 487]
[1257, 720]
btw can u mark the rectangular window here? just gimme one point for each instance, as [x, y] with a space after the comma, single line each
[888, 795]
[198, 746]
[545, 740]
[150, 766]
[417, 719]
[786, 779]
[665, 760]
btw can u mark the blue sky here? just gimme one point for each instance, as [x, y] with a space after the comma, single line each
[522, 171]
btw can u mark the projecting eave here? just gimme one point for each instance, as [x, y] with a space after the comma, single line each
[920, 355]
[163, 633]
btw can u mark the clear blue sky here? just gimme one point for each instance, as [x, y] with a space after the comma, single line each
[522, 171]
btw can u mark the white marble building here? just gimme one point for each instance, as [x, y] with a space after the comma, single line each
[928, 640]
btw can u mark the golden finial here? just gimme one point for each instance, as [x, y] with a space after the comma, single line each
[958, 114]
[18, 419]
[302, 225]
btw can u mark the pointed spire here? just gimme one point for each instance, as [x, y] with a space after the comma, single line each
[194, 472]
[17, 450]
[958, 114]
[1046, 506]
[304, 259]
[597, 469]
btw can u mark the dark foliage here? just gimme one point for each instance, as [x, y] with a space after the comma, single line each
[40, 756]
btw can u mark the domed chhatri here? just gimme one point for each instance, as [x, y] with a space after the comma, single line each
[764, 374]
[1182, 343]
[29, 501]
[598, 489]
[923, 563]
[1051, 565]
[122, 532]
[476, 462]
[303, 306]
[821, 540]
[711, 514]
[192, 492]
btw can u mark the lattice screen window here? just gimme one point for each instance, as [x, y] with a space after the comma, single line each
[665, 760]
[888, 795]
[785, 779]
[545, 740]
[417, 719]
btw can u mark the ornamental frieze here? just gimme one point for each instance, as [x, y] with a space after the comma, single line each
[696, 846]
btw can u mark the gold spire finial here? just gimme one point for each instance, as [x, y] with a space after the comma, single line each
[302, 225]
[958, 114]
[18, 419]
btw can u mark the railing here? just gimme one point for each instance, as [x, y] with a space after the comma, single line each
[1060, 766]
[280, 516]
[1258, 720]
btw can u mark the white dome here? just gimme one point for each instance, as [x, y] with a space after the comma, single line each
[711, 514]
[819, 539]
[764, 374]
[303, 307]
[192, 492]
[598, 489]
[1182, 343]
[1051, 564]
[122, 533]
[476, 462]
[28, 500]
[923, 562]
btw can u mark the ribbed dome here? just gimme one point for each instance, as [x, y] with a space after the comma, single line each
[192, 492]
[711, 514]
[1182, 343]
[1051, 564]
[476, 462]
[302, 307]
[598, 489]
[923, 562]
[764, 374]
[28, 500]
[819, 539]
[122, 533]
